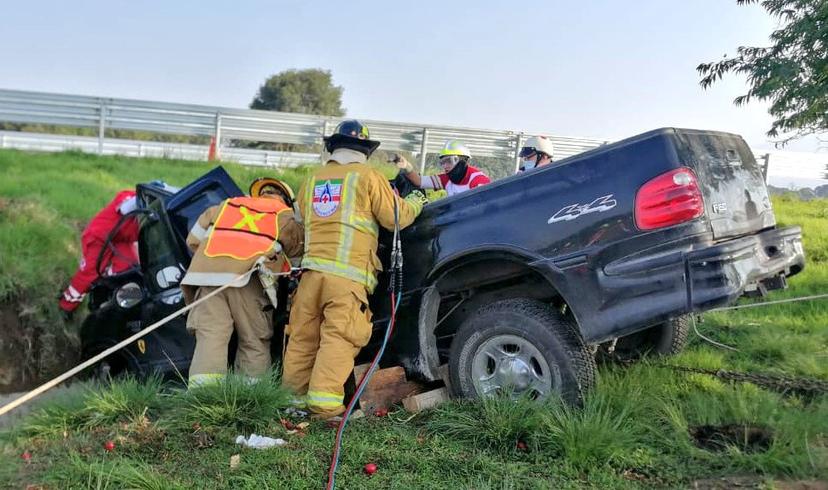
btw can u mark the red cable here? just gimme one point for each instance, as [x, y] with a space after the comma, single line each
[363, 380]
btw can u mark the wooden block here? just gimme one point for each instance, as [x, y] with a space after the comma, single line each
[444, 375]
[423, 401]
[359, 371]
[385, 388]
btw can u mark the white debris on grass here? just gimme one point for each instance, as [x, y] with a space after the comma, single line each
[259, 442]
[295, 412]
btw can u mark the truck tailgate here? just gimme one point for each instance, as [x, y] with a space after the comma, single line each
[735, 196]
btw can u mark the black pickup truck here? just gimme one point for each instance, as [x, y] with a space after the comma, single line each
[515, 285]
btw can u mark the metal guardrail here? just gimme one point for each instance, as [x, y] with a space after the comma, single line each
[17, 106]
[226, 125]
[135, 148]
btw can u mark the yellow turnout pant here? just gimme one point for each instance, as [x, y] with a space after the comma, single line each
[213, 321]
[329, 323]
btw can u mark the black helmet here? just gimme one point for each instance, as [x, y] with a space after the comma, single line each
[353, 135]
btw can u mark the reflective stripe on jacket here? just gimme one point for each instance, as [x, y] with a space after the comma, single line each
[342, 207]
[219, 270]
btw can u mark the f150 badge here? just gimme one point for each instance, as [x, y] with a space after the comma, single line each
[573, 211]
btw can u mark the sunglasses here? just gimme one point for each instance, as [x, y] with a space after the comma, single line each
[527, 151]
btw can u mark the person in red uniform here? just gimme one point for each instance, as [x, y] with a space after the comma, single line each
[119, 255]
[458, 176]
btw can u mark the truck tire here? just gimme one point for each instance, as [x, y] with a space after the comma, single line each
[665, 339]
[522, 347]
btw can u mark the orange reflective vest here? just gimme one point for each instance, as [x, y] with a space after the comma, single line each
[246, 227]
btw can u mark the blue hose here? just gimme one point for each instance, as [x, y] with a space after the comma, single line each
[360, 388]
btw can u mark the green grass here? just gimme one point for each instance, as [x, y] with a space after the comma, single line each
[634, 431]
[237, 403]
[125, 401]
[110, 473]
[498, 424]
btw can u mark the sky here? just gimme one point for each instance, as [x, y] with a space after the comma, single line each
[601, 68]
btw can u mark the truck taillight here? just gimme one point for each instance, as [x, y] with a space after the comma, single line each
[669, 199]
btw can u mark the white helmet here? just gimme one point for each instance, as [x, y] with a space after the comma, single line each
[539, 144]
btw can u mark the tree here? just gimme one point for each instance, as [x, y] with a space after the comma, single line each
[308, 91]
[792, 74]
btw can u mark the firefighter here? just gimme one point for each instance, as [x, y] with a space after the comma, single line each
[458, 176]
[226, 241]
[342, 205]
[118, 255]
[537, 152]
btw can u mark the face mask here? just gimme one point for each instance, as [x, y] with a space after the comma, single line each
[528, 164]
[458, 172]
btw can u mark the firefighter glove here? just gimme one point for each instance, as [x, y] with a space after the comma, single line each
[417, 197]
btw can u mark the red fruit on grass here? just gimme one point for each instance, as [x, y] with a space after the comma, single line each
[381, 412]
[370, 469]
[109, 446]
[26, 456]
[521, 446]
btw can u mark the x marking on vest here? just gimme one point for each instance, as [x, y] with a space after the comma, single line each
[248, 220]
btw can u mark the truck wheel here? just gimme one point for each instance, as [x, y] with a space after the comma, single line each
[521, 347]
[665, 339]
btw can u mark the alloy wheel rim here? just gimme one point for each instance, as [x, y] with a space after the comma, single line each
[509, 364]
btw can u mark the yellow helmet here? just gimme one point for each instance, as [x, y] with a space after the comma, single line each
[454, 147]
[257, 185]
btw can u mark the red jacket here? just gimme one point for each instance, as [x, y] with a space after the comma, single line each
[474, 177]
[106, 219]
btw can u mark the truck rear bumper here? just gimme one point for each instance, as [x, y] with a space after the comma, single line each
[649, 289]
[720, 274]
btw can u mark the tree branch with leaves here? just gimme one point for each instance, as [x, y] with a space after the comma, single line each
[791, 74]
